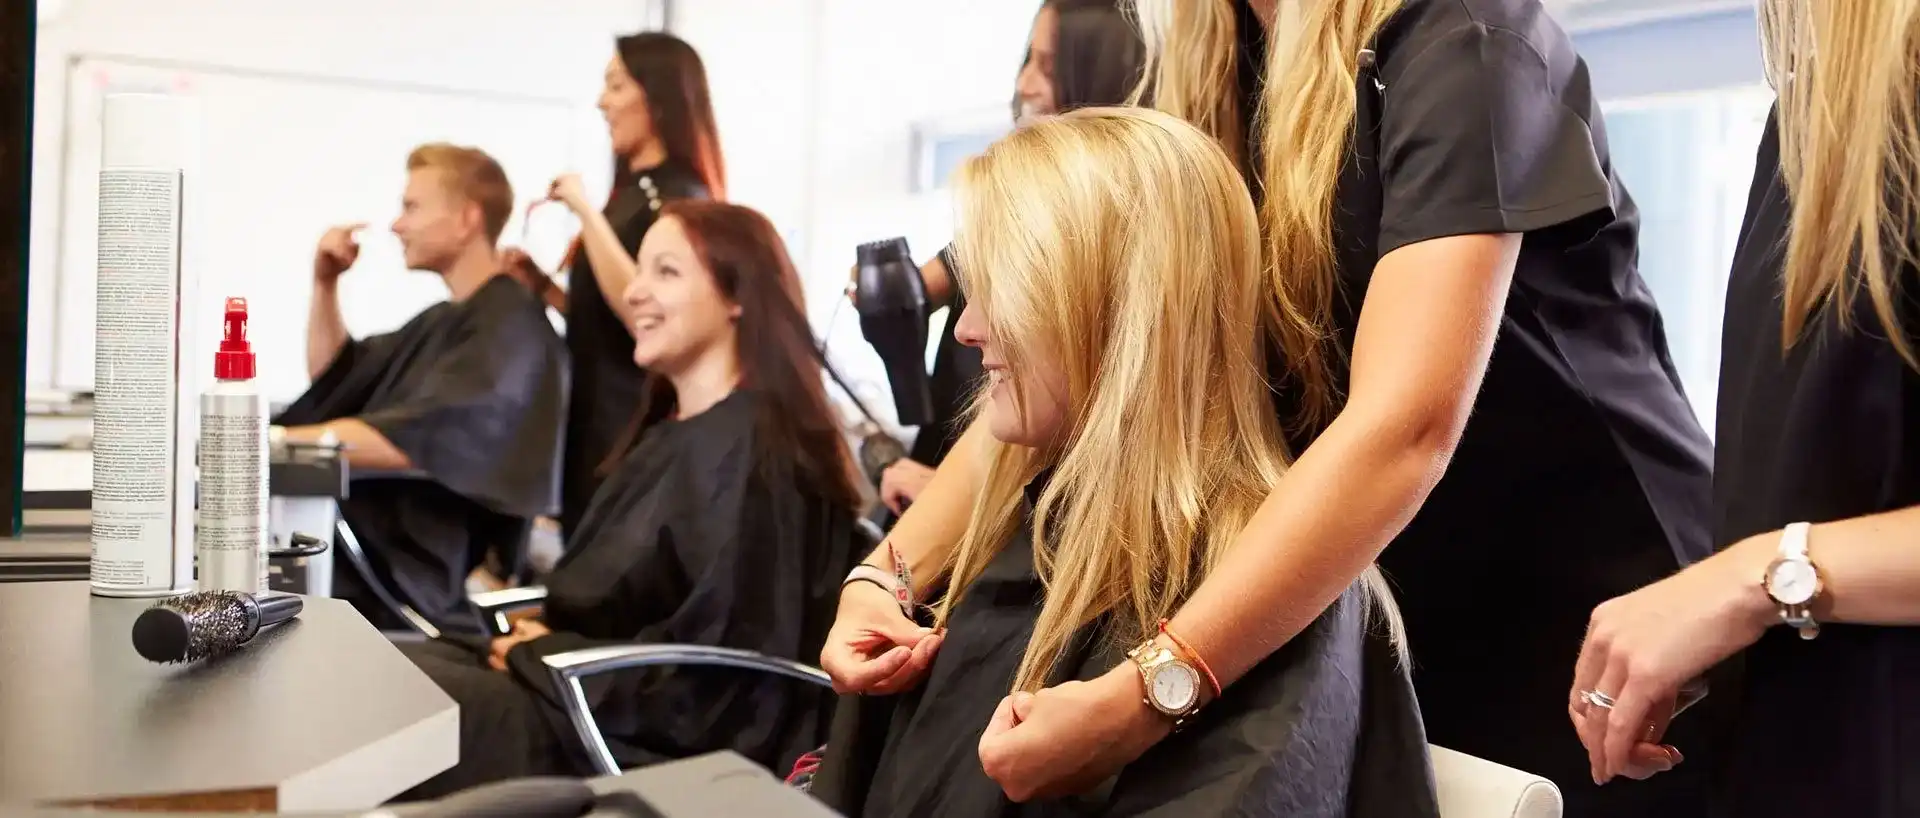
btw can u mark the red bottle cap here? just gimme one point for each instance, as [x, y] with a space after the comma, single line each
[234, 361]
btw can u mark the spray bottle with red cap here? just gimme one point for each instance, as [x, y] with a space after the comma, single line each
[232, 538]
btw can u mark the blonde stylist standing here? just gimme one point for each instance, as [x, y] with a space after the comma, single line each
[1817, 462]
[1474, 377]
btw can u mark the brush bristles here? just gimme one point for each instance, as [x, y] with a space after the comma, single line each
[216, 622]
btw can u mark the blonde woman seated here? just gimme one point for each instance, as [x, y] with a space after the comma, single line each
[1112, 269]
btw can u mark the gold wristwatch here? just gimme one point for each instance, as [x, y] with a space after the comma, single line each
[1172, 685]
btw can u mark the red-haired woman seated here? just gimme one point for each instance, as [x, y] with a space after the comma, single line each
[725, 520]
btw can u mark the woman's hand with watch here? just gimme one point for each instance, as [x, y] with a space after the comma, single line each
[1067, 739]
[1642, 648]
[873, 648]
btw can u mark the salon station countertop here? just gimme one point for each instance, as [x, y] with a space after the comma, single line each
[320, 714]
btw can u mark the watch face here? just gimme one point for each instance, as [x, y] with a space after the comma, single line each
[1792, 582]
[1175, 687]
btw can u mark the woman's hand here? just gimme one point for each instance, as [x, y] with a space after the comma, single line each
[873, 648]
[525, 630]
[1642, 647]
[568, 190]
[1067, 739]
[903, 481]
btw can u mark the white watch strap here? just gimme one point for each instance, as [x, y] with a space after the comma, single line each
[1793, 548]
[1793, 541]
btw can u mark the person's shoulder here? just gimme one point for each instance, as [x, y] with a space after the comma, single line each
[1420, 25]
[505, 305]
[677, 181]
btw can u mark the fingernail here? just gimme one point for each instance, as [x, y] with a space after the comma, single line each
[1675, 752]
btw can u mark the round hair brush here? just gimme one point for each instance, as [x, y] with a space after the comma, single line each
[207, 624]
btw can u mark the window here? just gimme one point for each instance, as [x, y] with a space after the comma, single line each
[1687, 161]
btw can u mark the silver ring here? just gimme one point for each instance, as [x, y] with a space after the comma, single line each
[1597, 699]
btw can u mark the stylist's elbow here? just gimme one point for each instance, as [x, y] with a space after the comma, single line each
[1426, 331]
[1412, 443]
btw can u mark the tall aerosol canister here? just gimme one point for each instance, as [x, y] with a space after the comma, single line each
[144, 416]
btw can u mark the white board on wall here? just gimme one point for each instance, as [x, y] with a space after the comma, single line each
[283, 156]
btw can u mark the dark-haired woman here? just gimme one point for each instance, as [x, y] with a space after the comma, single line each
[727, 522]
[660, 119]
[1080, 53]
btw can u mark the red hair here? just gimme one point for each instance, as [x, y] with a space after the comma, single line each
[779, 358]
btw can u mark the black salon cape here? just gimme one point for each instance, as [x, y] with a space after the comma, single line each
[1583, 474]
[606, 381]
[702, 538]
[474, 394]
[1826, 431]
[1326, 727]
[697, 538]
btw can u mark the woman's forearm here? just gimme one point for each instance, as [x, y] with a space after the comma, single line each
[326, 329]
[927, 533]
[938, 281]
[1869, 565]
[1352, 492]
[1425, 335]
[613, 267]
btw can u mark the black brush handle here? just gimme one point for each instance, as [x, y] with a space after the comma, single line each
[277, 608]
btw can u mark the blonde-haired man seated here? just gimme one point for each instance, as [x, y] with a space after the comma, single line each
[463, 406]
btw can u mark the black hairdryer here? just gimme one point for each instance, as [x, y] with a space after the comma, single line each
[893, 316]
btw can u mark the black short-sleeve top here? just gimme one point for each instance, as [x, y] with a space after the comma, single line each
[606, 381]
[1826, 430]
[1583, 473]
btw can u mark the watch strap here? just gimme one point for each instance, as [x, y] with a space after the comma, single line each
[887, 580]
[1794, 541]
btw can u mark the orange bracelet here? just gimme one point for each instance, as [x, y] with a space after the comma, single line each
[1198, 661]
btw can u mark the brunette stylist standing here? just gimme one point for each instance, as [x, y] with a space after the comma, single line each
[1436, 186]
[1817, 482]
[665, 147]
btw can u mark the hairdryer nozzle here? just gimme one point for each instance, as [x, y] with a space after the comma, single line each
[884, 251]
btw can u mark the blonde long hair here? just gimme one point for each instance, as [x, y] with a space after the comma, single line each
[1305, 121]
[1123, 245]
[1847, 73]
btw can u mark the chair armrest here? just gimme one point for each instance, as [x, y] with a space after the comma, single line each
[571, 667]
[870, 532]
[496, 608]
[1475, 786]
[362, 565]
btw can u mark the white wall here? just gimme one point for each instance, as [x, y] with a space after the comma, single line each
[817, 102]
[530, 50]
